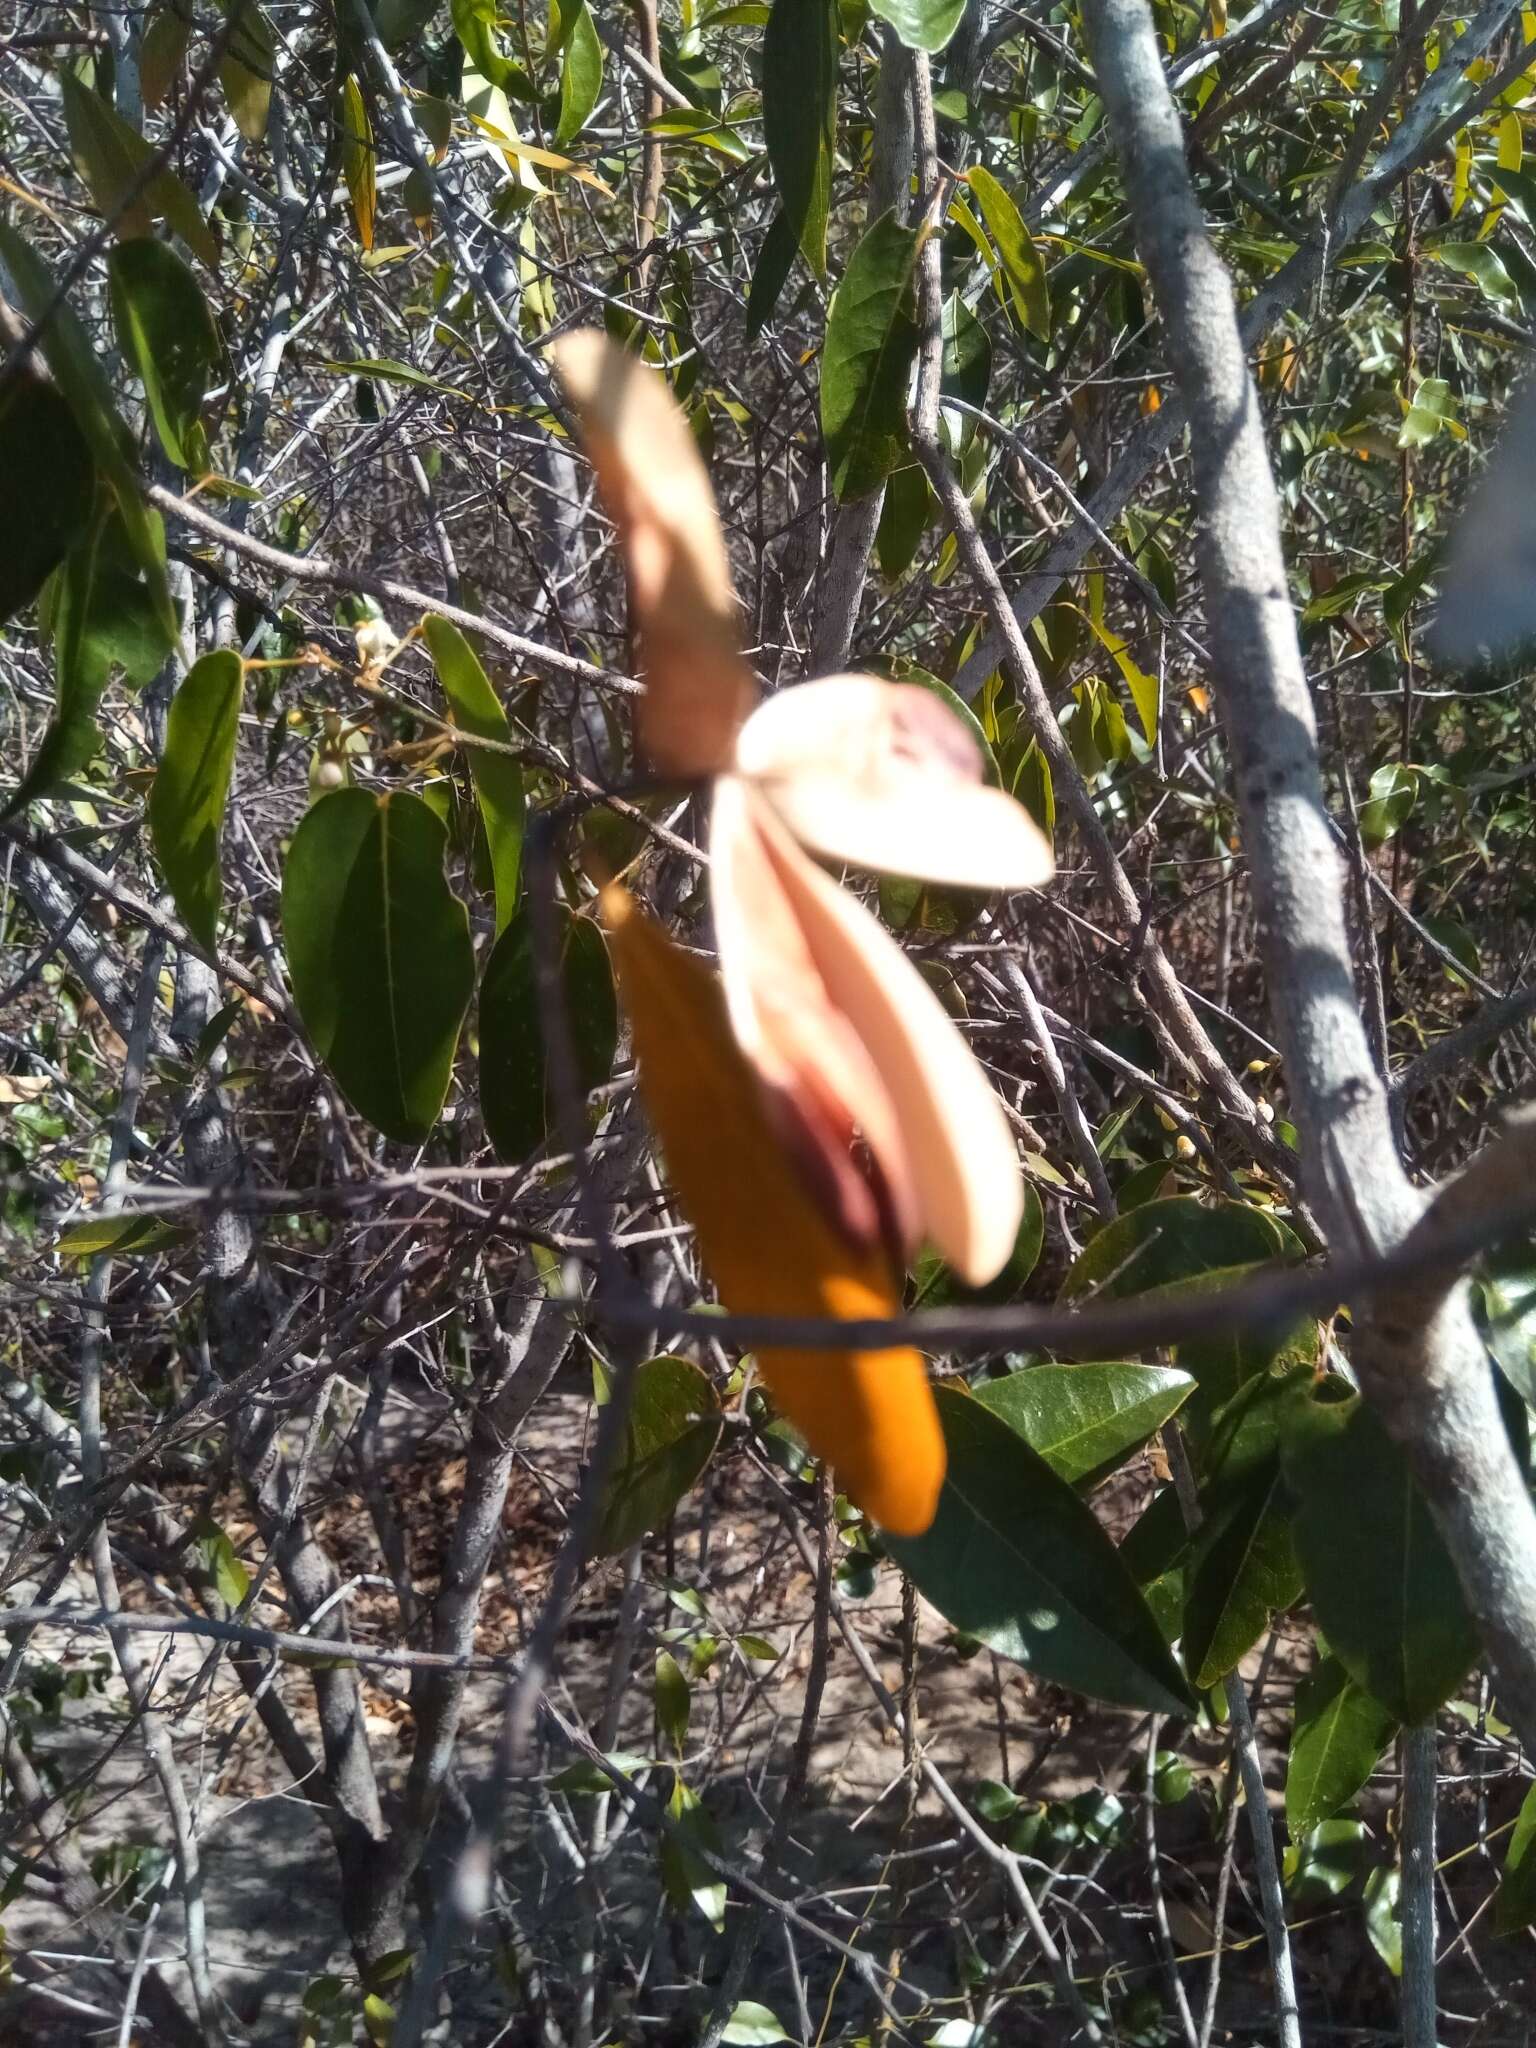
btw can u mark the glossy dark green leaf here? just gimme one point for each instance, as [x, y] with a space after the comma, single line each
[1243, 1572]
[800, 116]
[1339, 1734]
[191, 786]
[1015, 1558]
[39, 440]
[1382, 1585]
[101, 616]
[1514, 1904]
[866, 360]
[83, 383]
[1022, 261]
[581, 70]
[474, 706]
[922, 24]
[1164, 1242]
[1383, 1915]
[774, 261]
[669, 1436]
[904, 517]
[1184, 1245]
[165, 330]
[380, 953]
[514, 1089]
[1085, 1420]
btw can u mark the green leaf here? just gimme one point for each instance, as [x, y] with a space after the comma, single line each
[774, 261]
[1085, 1420]
[245, 69]
[359, 159]
[800, 116]
[39, 440]
[581, 71]
[1326, 1863]
[380, 953]
[966, 358]
[922, 24]
[475, 708]
[867, 359]
[1146, 691]
[186, 802]
[391, 372]
[231, 1579]
[1243, 1573]
[1394, 791]
[83, 382]
[121, 1236]
[904, 518]
[1479, 262]
[1383, 1920]
[1339, 1735]
[1022, 261]
[1382, 1585]
[934, 1284]
[165, 330]
[1182, 1245]
[101, 615]
[752, 2026]
[1174, 1240]
[686, 1878]
[674, 1699]
[1514, 1904]
[514, 1093]
[110, 157]
[671, 1432]
[1433, 408]
[1508, 1295]
[586, 1779]
[1015, 1558]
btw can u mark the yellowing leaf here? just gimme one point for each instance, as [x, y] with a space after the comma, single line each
[657, 492]
[767, 1245]
[357, 157]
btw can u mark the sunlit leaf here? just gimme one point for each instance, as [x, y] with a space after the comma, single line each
[922, 24]
[358, 157]
[1339, 1734]
[581, 70]
[867, 358]
[1022, 261]
[122, 1236]
[1085, 1420]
